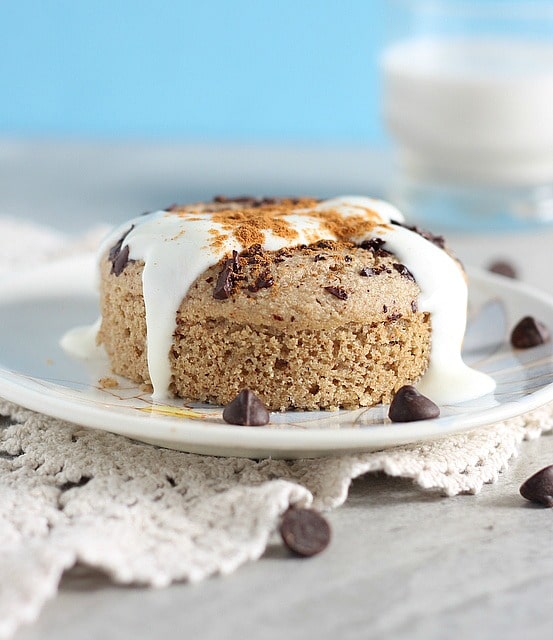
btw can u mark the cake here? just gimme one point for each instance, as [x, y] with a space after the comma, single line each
[311, 304]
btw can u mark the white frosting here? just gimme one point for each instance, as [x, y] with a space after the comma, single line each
[176, 249]
[81, 341]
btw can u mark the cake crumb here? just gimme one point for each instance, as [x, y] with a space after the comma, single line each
[108, 383]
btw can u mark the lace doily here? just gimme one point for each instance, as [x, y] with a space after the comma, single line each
[152, 516]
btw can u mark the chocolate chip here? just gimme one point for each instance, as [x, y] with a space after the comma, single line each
[277, 317]
[373, 271]
[348, 258]
[503, 268]
[325, 244]
[305, 531]
[119, 255]
[225, 281]
[376, 246]
[539, 487]
[404, 271]
[319, 258]
[529, 332]
[121, 261]
[414, 306]
[252, 201]
[393, 317]
[439, 241]
[220, 199]
[254, 254]
[367, 272]
[246, 410]
[373, 244]
[263, 281]
[339, 292]
[409, 405]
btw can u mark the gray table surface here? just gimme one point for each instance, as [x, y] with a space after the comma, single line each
[403, 563]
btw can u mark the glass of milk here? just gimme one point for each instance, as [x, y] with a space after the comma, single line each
[468, 101]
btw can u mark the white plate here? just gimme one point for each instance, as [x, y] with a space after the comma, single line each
[36, 308]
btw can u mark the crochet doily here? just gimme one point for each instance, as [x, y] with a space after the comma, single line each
[152, 516]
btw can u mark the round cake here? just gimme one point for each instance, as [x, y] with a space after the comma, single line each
[311, 305]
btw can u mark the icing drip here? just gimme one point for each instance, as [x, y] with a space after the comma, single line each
[178, 245]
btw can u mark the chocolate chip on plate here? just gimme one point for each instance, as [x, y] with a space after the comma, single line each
[305, 531]
[246, 410]
[408, 405]
[503, 268]
[539, 487]
[528, 333]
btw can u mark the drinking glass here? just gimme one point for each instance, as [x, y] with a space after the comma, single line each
[468, 100]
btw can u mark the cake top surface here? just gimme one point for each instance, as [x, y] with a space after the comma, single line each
[250, 220]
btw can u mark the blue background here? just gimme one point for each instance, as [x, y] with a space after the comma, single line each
[288, 70]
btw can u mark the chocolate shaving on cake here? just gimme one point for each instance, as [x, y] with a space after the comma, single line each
[119, 255]
[263, 281]
[325, 244]
[255, 203]
[225, 282]
[439, 241]
[338, 292]
[503, 268]
[368, 272]
[404, 271]
[375, 245]
[393, 317]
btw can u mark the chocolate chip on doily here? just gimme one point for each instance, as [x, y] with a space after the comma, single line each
[528, 333]
[409, 405]
[539, 487]
[246, 410]
[305, 531]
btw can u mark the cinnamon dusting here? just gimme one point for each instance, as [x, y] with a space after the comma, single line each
[249, 221]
